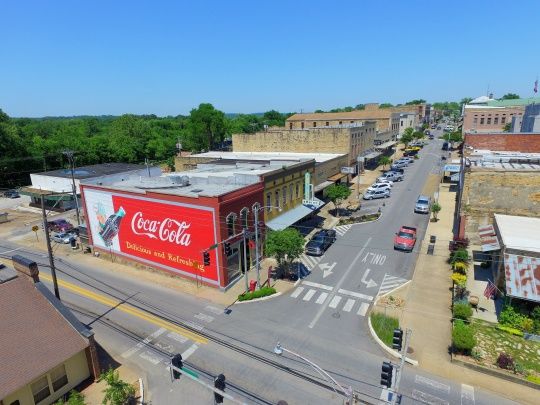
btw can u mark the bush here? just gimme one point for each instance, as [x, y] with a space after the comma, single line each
[463, 339]
[477, 353]
[463, 311]
[459, 279]
[509, 317]
[505, 361]
[527, 325]
[459, 255]
[508, 329]
[263, 292]
[533, 378]
[460, 267]
[519, 369]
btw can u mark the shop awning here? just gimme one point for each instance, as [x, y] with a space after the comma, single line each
[385, 145]
[452, 168]
[372, 155]
[292, 216]
[38, 192]
[337, 177]
[322, 186]
[522, 275]
[488, 238]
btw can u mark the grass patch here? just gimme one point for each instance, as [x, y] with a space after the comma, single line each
[384, 326]
[263, 292]
[356, 220]
[494, 340]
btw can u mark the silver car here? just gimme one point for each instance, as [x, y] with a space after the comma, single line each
[422, 204]
[62, 237]
[383, 193]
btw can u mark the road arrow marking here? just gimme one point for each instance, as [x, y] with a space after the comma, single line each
[327, 268]
[369, 283]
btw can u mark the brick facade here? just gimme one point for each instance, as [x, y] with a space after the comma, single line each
[484, 119]
[510, 142]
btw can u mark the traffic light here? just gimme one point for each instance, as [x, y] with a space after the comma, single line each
[397, 341]
[227, 247]
[206, 258]
[386, 374]
[219, 383]
[177, 362]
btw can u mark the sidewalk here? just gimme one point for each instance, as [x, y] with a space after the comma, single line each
[427, 311]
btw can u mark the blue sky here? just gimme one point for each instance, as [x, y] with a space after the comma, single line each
[166, 57]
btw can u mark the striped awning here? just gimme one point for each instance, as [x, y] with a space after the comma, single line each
[488, 238]
[522, 275]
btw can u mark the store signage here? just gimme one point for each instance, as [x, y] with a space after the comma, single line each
[166, 234]
[347, 170]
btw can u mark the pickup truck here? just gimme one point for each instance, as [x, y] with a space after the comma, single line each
[405, 239]
[392, 176]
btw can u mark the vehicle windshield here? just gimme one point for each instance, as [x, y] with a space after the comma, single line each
[405, 235]
[319, 238]
[422, 202]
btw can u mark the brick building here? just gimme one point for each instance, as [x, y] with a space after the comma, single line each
[505, 141]
[353, 140]
[485, 118]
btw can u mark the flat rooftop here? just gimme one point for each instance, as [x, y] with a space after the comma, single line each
[520, 233]
[501, 160]
[268, 156]
[87, 172]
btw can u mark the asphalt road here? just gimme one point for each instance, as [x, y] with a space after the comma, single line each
[143, 324]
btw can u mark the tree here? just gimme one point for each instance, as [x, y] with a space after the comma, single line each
[337, 193]
[510, 96]
[360, 107]
[385, 105]
[117, 392]
[206, 126]
[384, 161]
[465, 100]
[285, 245]
[348, 109]
[435, 209]
[319, 111]
[418, 135]
[455, 136]
[416, 101]
[273, 118]
[75, 398]
[507, 127]
[406, 138]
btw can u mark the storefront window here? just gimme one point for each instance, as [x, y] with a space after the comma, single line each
[230, 224]
[244, 217]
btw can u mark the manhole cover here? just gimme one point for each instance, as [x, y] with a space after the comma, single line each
[336, 315]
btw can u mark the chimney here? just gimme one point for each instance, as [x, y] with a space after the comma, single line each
[26, 266]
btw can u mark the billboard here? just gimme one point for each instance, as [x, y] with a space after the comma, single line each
[166, 234]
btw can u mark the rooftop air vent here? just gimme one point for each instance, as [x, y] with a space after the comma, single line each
[196, 190]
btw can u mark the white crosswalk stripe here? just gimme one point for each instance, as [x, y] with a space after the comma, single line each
[342, 229]
[297, 292]
[335, 301]
[321, 298]
[309, 294]
[309, 261]
[389, 283]
[348, 305]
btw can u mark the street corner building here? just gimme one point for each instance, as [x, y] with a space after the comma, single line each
[168, 223]
[45, 351]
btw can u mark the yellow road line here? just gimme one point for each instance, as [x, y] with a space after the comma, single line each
[128, 309]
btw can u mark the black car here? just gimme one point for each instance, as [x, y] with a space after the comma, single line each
[320, 242]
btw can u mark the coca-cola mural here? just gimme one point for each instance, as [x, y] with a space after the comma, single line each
[172, 235]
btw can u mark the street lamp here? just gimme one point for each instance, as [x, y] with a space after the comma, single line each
[346, 392]
[256, 210]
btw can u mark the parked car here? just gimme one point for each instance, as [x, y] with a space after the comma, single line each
[445, 146]
[405, 238]
[59, 225]
[382, 193]
[433, 126]
[407, 159]
[422, 204]
[448, 128]
[431, 136]
[62, 237]
[399, 171]
[389, 182]
[410, 152]
[399, 165]
[320, 242]
[378, 186]
[11, 194]
[392, 176]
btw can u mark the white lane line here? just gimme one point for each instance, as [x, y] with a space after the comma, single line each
[467, 394]
[297, 292]
[355, 294]
[335, 301]
[432, 383]
[321, 298]
[143, 343]
[189, 351]
[363, 309]
[428, 398]
[338, 286]
[317, 285]
[309, 294]
[348, 305]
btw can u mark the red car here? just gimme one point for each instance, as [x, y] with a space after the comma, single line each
[59, 225]
[405, 239]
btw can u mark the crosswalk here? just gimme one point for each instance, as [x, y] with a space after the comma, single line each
[309, 261]
[342, 229]
[345, 300]
[389, 283]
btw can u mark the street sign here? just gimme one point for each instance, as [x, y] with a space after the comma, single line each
[348, 170]
[35, 228]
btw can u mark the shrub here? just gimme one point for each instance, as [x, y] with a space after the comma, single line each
[477, 353]
[508, 329]
[533, 378]
[463, 311]
[527, 325]
[510, 317]
[460, 267]
[263, 292]
[459, 279]
[459, 255]
[519, 368]
[505, 361]
[463, 339]
[535, 313]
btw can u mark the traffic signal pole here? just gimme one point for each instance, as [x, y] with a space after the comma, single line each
[399, 370]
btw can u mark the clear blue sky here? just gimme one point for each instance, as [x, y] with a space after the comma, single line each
[166, 57]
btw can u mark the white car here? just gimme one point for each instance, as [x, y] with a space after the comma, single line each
[378, 186]
[389, 182]
[383, 193]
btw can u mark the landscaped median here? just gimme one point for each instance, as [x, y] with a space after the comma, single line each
[252, 295]
[384, 326]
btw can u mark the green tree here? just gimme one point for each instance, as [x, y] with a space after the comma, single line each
[418, 135]
[384, 161]
[117, 392]
[75, 398]
[319, 111]
[385, 105]
[455, 136]
[507, 127]
[206, 126]
[285, 245]
[465, 100]
[360, 107]
[274, 118]
[415, 101]
[510, 96]
[348, 109]
[337, 193]
[406, 138]
[435, 209]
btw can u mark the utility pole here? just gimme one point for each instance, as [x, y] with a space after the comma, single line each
[49, 249]
[360, 165]
[69, 154]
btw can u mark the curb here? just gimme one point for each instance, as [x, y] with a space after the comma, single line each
[386, 348]
[258, 299]
[141, 391]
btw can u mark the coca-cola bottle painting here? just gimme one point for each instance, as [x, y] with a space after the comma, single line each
[111, 226]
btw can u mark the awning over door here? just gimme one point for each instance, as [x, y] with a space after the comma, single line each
[292, 216]
[488, 238]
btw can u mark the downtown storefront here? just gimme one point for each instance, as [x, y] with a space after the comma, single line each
[170, 232]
